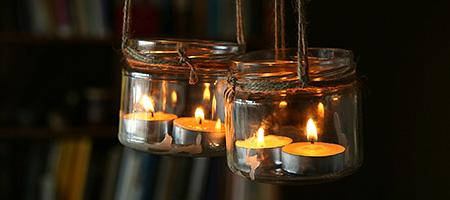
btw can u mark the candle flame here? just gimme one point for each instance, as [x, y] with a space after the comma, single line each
[320, 109]
[207, 93]
[147, 103]
[283, 104]
[311, 131]
[199, 115]
[174, 97]
[260, 137]
[218, 124]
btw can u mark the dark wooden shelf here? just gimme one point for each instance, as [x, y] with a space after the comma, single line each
[28, 38]
[23, 133]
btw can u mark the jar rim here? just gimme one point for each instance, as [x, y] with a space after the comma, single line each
[194, 48]
[326, 65]
[161, 55]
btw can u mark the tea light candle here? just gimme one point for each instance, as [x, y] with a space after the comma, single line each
[312, 158]
[150, 125]
[260, 151]
[186, 130]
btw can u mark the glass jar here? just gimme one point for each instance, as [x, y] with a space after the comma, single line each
[161, 112]
[279, 132]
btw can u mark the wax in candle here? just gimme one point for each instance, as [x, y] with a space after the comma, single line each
[148, 116]
[147, 127]
[190, 123]
[305, 158]
[318, 149]
[259, 151]
[270, 141]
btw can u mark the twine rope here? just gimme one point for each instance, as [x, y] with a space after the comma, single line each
[126, 23]
[181, 49]
[264, 86]
[283, 41]
[280, 41]
[302, 54]
[275, 32]
[240, 24]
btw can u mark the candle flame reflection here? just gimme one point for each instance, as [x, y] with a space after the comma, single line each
[206, 93]
[260, 137]
[311, 131]
[320, 109]
[214, 105]
[199, 115]
[218, 124]
[147, 103]
[283, 104]
[174, 97]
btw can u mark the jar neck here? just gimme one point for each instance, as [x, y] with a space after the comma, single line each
[266, 71]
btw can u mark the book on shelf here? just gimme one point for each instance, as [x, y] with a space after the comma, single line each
[111, 172]
[198, 180]
[99, 167]
[127, 174]
[165, 178]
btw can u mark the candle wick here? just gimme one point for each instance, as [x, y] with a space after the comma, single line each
[200, 121]
[152, 114]
[312, 142]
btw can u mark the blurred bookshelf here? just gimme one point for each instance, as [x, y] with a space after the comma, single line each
[60, 68]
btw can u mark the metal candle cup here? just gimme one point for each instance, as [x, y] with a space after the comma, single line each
[317, 158]
[267, 155]
[186, 130]
[151, 128]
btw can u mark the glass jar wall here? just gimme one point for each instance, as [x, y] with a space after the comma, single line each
[161, 112]
[293, 134]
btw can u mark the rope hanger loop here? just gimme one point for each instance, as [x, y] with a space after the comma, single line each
[181, 47]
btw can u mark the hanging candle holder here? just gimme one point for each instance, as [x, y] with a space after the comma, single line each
[171, 99]
[281, 131]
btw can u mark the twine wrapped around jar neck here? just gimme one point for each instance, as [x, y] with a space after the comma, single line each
[302, 57]
[181, 48]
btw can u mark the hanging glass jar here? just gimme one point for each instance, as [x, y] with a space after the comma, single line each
[171, 100]
[279, 132]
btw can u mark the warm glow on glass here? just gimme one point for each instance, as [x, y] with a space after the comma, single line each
[260, 137]
[218, 124]
[147, 103]
[207, 93]
[335, 97]
[214, 105]
[311, 131]
[199, 115]
[320, 109]
[165, 85]
[174, 97]
[283, 104]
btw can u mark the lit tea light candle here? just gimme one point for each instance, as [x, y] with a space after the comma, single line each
[187, 129]
[260, 151]
[312, 157]
[149, 125]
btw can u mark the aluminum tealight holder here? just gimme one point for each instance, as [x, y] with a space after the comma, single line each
[171, 101]
[280, 131]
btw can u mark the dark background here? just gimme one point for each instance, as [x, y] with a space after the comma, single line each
[402, 50]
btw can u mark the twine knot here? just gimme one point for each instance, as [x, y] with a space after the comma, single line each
[231, 90]
[181, 49]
